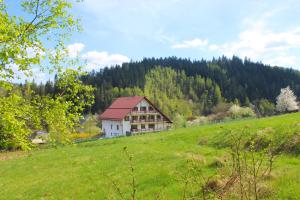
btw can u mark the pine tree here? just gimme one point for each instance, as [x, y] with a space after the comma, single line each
[286, 101]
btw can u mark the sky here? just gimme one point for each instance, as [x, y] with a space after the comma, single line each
[116, 31]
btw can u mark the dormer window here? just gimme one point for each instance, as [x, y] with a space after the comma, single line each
[135, 108]
[144, 108]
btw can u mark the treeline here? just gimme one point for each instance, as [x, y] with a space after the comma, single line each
[200, 81]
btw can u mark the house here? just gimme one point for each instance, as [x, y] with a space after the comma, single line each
[132, 115]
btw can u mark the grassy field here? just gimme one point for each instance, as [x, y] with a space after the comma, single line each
[85, 170]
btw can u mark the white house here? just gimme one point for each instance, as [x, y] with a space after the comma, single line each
[131, 115]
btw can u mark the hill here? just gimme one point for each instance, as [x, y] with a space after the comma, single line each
[86, 170]
[237, 79]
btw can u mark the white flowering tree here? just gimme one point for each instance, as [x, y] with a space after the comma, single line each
[286, 101]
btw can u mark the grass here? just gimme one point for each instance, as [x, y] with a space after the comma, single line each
[85, 170]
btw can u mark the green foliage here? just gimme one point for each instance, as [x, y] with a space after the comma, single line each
[174, 92]
[222, 107]
[236, 112]
[23, 112]
[90, 125]
[265, 107]
[236, 78]
[179, 121]
[22, 44]
[17, 120]
[21, 38]
[72, 91]
[55, 119]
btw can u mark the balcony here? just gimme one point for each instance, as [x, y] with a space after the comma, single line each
[137, 121]
[143, 112]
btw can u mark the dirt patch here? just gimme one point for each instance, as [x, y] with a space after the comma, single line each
[12, 155]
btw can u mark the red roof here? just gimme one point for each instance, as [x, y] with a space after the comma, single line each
[126, 102]
[122, 106]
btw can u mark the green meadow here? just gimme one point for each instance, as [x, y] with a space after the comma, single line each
[88, 170]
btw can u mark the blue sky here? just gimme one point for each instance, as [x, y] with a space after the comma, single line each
[117, 31]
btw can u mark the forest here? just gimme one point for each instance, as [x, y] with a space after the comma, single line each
[190, 87]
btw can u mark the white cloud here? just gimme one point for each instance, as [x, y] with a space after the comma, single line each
[213, 47]
[258, 42]
[288, 61]
[75, 49]
[96, 59]
[190, 44]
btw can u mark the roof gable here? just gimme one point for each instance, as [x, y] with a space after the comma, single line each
[122, 106]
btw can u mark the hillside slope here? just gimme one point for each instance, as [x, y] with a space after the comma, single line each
[237, 78]
[85, 171]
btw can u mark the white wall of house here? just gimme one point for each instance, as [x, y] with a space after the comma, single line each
[126, 127]
[112, 128]
[142, 103]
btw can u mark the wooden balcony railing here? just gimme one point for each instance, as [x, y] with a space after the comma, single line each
[146, 120]
[143, 111]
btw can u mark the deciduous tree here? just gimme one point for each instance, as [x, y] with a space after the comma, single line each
[286, 101]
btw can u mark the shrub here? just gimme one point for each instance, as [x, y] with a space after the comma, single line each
[90, 125]
[221, 108]
[236, 112]
[262, 139]
[179, 121]
[292, 146]
[265, 107]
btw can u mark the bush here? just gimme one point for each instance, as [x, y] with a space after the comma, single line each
[292, 146]
[236, 112]
[179, 121]
[261, 140]
[221, 108]
[75, 136]
[265, 107]
[90, 125]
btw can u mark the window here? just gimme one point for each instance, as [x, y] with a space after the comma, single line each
[151, 126]
[150, 108]
[111, 126]
[135, 108]
[143, 118]
[143, 126]
[134, 118]
[144, 108]
[117, 127]
[133, 127]
[151, 118]
[158, 117]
